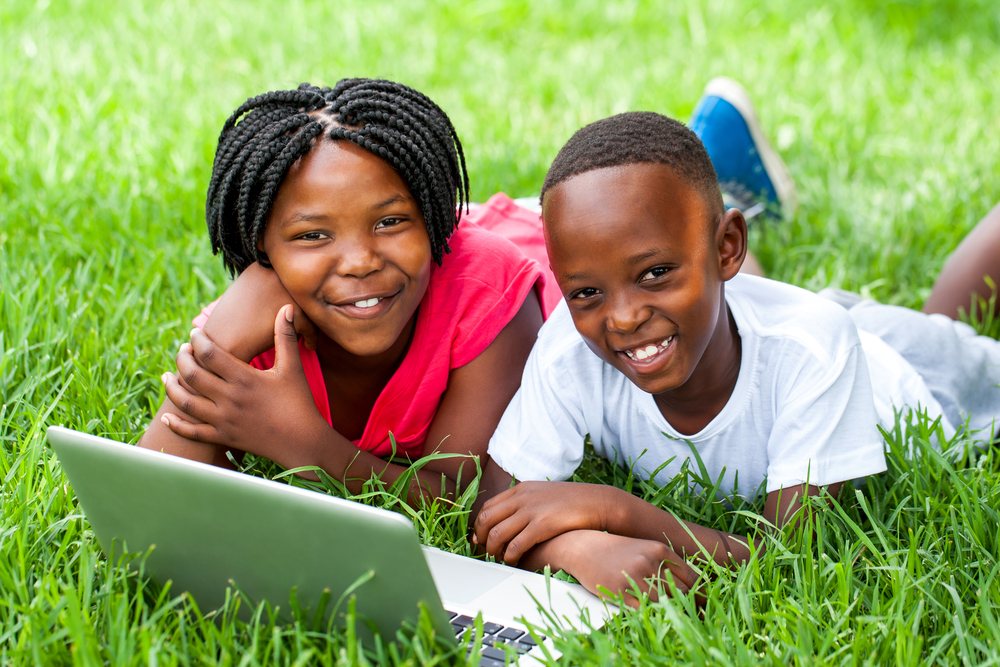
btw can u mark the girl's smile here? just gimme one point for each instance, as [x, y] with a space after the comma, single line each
[349, 243]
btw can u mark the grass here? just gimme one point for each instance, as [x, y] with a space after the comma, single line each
[885, 113]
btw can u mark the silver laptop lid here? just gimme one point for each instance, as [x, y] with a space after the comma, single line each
[210, 526]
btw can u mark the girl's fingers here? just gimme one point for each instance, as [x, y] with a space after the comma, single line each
[286, 343]
[198, 407]
[195, 378]
[213, 358]
[201, 432]
[305, 327]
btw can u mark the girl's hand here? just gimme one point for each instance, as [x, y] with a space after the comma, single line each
[530, 513]
[268, 413]
[243, 320]
[605, 561]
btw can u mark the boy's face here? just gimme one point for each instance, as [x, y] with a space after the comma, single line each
[641, 258]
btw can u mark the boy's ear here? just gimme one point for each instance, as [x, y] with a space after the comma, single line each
[731, 238]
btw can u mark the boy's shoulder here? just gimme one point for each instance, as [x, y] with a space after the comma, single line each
[777, 312]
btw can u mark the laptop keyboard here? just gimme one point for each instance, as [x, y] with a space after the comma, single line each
[495, 638]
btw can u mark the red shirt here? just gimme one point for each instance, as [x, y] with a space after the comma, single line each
[471, 297]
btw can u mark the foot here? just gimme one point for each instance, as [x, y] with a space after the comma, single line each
[752, 175]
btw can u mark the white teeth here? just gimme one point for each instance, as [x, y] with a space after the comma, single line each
[648, 351]
[367, 303]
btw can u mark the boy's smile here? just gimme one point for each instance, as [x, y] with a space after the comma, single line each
[641, 258]
[349, 243]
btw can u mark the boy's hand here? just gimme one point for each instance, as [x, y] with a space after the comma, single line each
[243, 320]
[514, 521]
[602, 560]
[268, 413]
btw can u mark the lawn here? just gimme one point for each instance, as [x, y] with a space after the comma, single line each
[886, 113]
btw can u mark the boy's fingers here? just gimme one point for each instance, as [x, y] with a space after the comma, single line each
[681, 572]
[500, 535]
[498, 499]
[198, 407]
[524, 540]
[630, 600]
[200, 432]
[490, 516]
[214, 358]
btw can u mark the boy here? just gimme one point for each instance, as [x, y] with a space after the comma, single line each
[659, 336]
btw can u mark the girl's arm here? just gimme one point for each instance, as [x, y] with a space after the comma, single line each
[242, 324]
[271, 413]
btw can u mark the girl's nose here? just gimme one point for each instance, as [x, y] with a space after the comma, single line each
[625, 316]
[358, 259]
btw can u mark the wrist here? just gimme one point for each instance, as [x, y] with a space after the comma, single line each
[558, 553]
[615, 514]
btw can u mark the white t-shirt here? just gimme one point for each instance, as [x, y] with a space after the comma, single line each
[802, 409]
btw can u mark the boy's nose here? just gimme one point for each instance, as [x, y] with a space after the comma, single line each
[625, 316]
[358, 259]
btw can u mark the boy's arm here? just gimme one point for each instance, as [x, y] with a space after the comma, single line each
[513, 522]
[603, 561]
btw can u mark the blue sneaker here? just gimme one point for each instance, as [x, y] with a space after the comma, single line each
[752, 176]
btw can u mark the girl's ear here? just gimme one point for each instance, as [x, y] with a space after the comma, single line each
[731, 237]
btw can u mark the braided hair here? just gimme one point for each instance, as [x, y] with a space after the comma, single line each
[634, 137]
[268, 133]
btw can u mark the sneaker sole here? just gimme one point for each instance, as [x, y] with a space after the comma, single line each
[731, 91]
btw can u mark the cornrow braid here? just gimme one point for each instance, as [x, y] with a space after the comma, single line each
[265, 136]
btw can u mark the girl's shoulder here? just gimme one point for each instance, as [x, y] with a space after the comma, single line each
[494, 246]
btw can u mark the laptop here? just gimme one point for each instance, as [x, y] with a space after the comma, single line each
[207, 528]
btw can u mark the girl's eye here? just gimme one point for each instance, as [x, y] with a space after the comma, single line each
[389, 223]
[654, 273]
[311, 236]
[585, 293]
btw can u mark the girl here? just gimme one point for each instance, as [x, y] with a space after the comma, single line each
[337, 208]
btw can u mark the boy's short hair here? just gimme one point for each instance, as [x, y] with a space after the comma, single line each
[634, 137]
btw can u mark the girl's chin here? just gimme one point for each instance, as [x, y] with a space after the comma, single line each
[367, 343]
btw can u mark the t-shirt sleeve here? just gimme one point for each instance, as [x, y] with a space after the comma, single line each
[205, 313]
[492, 279]
[540, 436]
[825, 423]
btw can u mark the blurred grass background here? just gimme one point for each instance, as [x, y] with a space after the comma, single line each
[886, 113]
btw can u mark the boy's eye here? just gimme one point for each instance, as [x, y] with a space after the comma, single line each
[654, 273]
[585, 293]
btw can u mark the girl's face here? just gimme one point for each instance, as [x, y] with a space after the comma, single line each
[349, 243]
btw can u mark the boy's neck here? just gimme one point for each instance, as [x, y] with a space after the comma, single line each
[692, 406]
